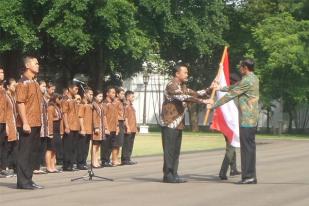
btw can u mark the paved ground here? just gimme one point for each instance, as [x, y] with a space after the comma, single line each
[283, 175]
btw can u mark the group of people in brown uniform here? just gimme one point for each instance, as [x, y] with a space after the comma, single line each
[39, 126]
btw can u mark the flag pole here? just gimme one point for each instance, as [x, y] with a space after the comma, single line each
[217, 77]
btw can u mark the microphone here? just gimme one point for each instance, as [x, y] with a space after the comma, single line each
[79, 81]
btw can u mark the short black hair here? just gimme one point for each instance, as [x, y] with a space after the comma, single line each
[87, 89]
[129, 92]
[119, 89]
[54, 97]
[72, 84]
[109, 88]
[249, 63]
[50, 84]
[177, 67]
[97, 92]
[9, 82]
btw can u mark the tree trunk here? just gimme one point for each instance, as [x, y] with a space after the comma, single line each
[290, 121]
[193, 112]
[268, 121]
[101, 67]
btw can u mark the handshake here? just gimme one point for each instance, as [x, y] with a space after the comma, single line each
[210, 102]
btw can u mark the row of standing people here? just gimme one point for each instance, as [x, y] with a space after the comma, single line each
[38, 125]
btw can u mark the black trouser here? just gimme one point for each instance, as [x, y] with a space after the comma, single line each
[248, 152]
[58, 142]
[127, 147]
[229, 159]
[3, 143]
[69, 149]
[12, 150]
[120, 136]
[83, 149]
[4, 153]
[107, 146]
[171, 141]
[40, 156]
[27, 151]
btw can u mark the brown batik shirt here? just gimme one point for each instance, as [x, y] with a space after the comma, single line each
[28, 92]
[11, 117]
[176, 98]
[70, 107]
[44, 119]
[54, 114]
[111, 113]
[85, 112]
[3, 105]
[98, 122]
[131, 124]
[120, 107]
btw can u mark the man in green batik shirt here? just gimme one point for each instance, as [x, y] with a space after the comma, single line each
[247, 92]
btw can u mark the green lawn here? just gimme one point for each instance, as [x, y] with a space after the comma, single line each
[151, 144]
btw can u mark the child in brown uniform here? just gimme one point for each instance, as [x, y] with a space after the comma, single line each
[86, 123]
[3, 139]
[120, 102]
[54, 130]
[130, 131]
[111, 130]
[99, 121]
[72, 127]
[40, 156]
[11, 129]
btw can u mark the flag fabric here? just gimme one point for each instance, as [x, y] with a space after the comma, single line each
[226, 117]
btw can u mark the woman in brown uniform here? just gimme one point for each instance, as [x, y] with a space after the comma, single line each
[120, 102]
[71, 127]
[11, 129]
[99, 120]
[54, 130]
[130, 131]
[109, 143]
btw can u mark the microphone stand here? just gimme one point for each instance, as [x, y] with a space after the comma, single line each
[90, 174]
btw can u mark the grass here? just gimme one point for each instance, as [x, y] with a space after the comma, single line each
[151, 144]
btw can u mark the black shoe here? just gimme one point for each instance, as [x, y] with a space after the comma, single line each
[235, 173]
[170, 179]
[36, 186]
[25, 187]
[248, 181]
[6, 173]
[128, 163]
[67, 169]
[107, 164]
[132, 162]
[59, 162]
[223, 177]
[82, 167]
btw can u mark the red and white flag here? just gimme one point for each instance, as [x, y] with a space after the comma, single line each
[226, 117]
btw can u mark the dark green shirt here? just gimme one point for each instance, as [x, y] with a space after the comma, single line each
[247, 92]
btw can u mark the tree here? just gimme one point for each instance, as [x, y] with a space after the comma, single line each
[190, 31]
[283, 59]
[75, 36]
